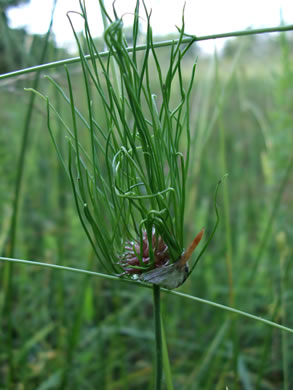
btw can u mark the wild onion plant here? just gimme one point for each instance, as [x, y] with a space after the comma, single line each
[129, 167]
[128, 162]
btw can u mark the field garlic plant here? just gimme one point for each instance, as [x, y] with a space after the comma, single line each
[128, 158]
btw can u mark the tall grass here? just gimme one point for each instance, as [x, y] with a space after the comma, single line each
[11, 244]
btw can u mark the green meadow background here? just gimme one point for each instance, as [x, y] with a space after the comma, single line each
[71, 331]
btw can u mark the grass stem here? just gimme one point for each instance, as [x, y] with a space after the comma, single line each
[155, 45]
[269, 226]
[146, 285]
[158, 336]
[166, 360]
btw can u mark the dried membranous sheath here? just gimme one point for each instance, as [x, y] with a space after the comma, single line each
[163, 273]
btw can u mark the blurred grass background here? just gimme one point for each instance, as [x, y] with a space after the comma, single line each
[72, 331]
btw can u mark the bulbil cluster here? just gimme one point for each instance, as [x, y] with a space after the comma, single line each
[136, 258]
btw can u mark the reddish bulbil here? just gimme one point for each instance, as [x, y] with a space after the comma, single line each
[131, 256]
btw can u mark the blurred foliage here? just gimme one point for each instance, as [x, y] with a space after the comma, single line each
[6, 4]
[11, 41]
[18, 49]
[256, 46]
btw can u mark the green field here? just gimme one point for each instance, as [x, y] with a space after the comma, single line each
[64, 330]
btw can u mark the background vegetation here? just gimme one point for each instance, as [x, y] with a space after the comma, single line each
[72, 331]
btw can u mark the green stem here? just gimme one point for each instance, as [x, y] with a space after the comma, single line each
[283, 289]
[158, 334]
[269, 226]
[267, 349]
[74, 334]
[155, 45]
[113, 64]
[166, 361]
[228, 236]
[147, 285]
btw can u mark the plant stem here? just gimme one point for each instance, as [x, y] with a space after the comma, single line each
[228, 236]
[166, 361]
[283, 290]
[269, 226]
[158, 334]
[74, 333]
[148, 285]
[155, 45]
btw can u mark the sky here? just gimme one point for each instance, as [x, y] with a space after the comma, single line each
[203, 17]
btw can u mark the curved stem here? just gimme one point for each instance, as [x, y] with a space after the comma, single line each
[158, 335]
[188, 39]
[148, 285]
